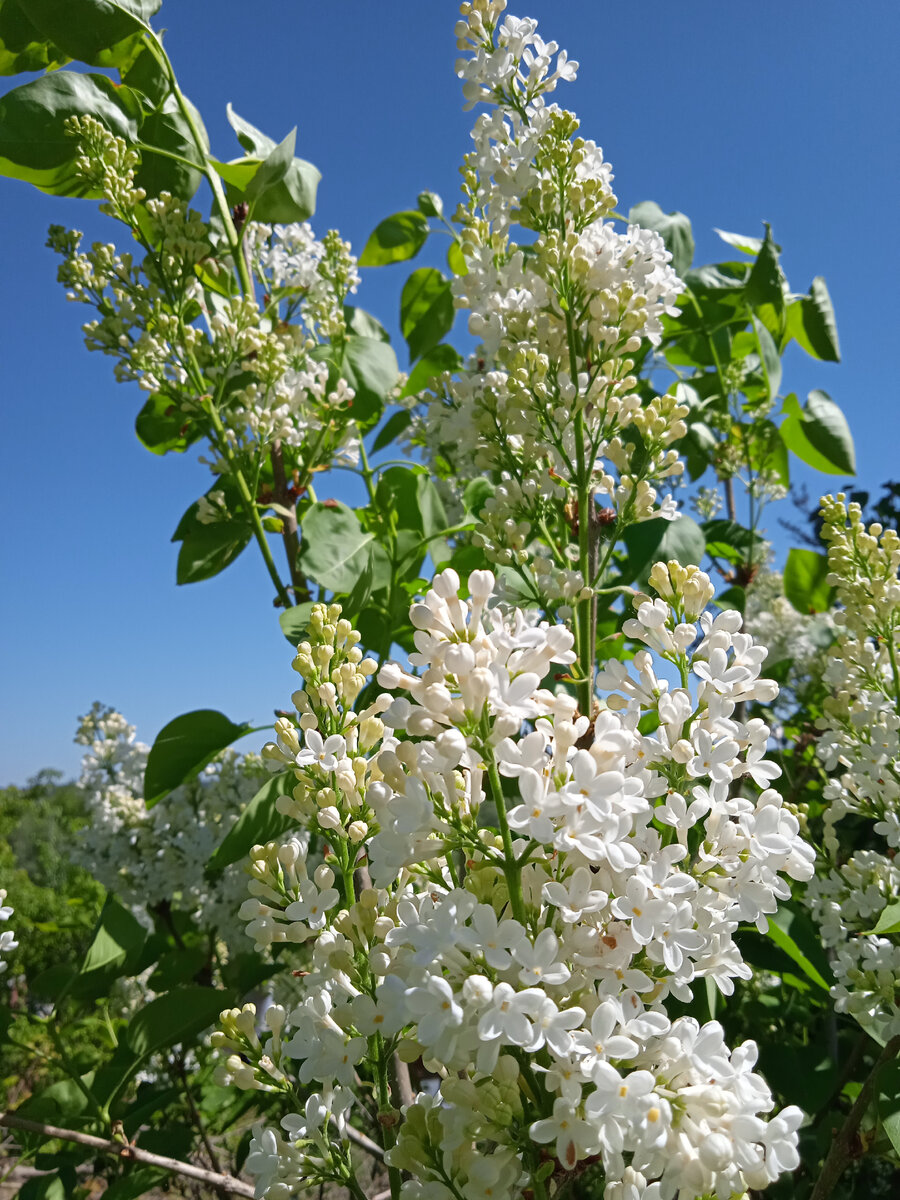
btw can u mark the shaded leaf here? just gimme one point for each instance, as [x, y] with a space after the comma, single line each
[34, 145]
[333, 552]
[766, 282]
[426, 310]
[206, 550]
[259, 823]
[392, 428]
[294, 622]
[805, 580]
[659, 540]
[438, 360]
[674, 228]
[102, 33]
[395, 239]
[184, 747]
[178, 1016]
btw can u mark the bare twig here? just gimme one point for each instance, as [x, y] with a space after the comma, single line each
[122, 1150]
[842, 1149]
[404, 1083]
[364, 1143]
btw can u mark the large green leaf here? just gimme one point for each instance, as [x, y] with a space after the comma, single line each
[889, 1101]
[889, 921]
[438, 360]
[426, 310]
[176, 1017]
[766, 283]
[335, 546]
[34, 145]
[826, 427]
[294, 622]
[158, 173]
[162, 427]
[102, 33]
[370, 367]
[794, 933]
[184, 747]
[659, 540]
[410, 493]
[674, 228]
[22, 46]
[206, 550]
[394, 239]
[805, 580]
[771, 359]
[281, 187]
[259, 823]
[812, 324]
[819, 434]
[391, 429]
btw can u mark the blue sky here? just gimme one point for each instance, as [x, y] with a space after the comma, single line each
[732, 113]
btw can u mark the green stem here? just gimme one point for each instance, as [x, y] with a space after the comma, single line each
[250, 504]
[383, 1092]
[215, 183]
[512, 869]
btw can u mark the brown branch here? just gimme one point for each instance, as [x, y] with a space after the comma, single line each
[364, 1143]
[404, 1083]
[289, 519]
[122, 1150]
[843, 1147]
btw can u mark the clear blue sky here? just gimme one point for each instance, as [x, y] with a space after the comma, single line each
[733, 113]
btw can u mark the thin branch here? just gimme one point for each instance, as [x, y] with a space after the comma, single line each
[364, 1143]
[122, 1150]
[842, 1149]
[404, 1083]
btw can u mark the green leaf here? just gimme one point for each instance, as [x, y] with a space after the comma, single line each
[392, 428]
[158, 173]
[22, 46]
[43, 1187]
[889, 921]
[34, 145]
[771, 359]
[288, 188]
[659, 540]
[794, 933]
[674, 228]
[370, 367]
[178, 966]
[476, 494]
[333, 552]
[826, 428]
[259, 823]
[888, 1101]
[294, 622]
[438, 360]
[184, 747]
[766, 282]
[138, 1182]
[729, 540]
[821, 437]
[178, 1016]
[411, 494]
[430, 204]
[102, 33]
[818, 323]
[395, 239]
[805, 580]
[456, 260]
[117, 937]
[163, 428]
[206, 550]
[362, 322]
[426, 310]
[742, 242]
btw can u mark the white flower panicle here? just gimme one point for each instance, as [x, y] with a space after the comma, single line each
[510, 892]
[148, 856]
[860, 746]
[8, 941]
[184, 336]
[551, 391]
